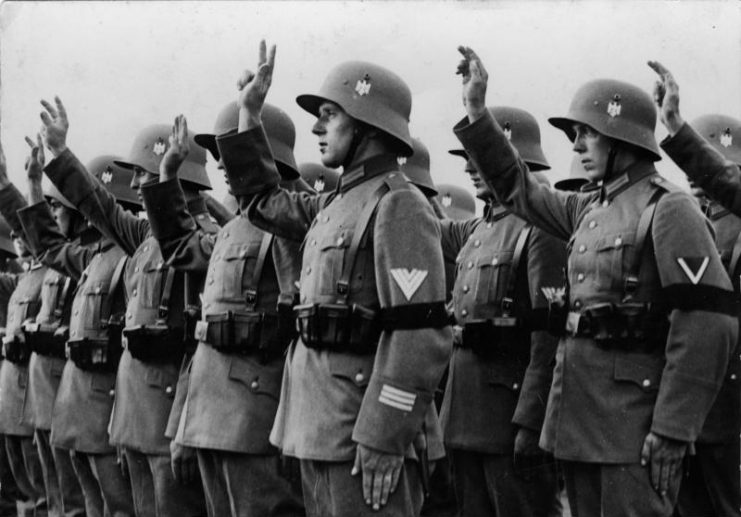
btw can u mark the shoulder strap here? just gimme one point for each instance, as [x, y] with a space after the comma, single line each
[105, 312]
[250, 294]
[642, 231]
[516, 259]
[343, 284]
[62, 298]
[164, 308]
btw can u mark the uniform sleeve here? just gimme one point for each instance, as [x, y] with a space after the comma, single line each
[508, 176]
[94, 201]
[546, 260]
[409, 363]
[453, 235]
[11, 200]
[702, 163]
[219, 212]
[252, 172]
[183, 244]
[48, 244]
[703, 312]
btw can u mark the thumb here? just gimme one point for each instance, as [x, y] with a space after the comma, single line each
[356, 466]
[646, 451]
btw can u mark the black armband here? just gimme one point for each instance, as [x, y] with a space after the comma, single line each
[689, 297]
[415, 316]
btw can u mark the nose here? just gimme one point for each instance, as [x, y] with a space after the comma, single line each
[135, 180]
[579, 146]
[318, 128]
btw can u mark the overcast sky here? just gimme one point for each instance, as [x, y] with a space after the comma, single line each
[120, 66]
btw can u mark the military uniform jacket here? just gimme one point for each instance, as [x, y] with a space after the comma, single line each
[487, 399]
[144, 390]
[82, 409]
[603, 402]
[719, 177]
[233, 388]
[330, 401]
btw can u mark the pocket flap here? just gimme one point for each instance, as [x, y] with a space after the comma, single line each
[506, 376]
[241, 251]
[503, 258]
[647, 375]
[354, 368]
[338, 240]
[265, 380]
[616, 241]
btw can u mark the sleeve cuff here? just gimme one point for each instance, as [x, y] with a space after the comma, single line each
[248, 161]
[167, 209]
[11, 200]
[70, 177]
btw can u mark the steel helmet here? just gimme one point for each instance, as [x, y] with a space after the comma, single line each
[6, 241]
[617, 110]
[320, 178]
[278, 127]
[417, 167]
[116, 179]
[368, 93]
[457, 202]
[523, 133]
[577, 177]
[723, 133]
[51, 192]
[150, 146]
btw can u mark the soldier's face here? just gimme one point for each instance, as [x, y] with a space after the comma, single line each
[63, 217]
[482, 190]
[20, 247]
[335, 130]
[593, 148]
[141, 178]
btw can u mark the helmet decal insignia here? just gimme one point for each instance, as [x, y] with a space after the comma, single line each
[363, 86]
[401, 160]
[447, 200]
[726, 138]
[107, 175]
[508, 130]
[614, 107]
[319, 184]
[159, 147]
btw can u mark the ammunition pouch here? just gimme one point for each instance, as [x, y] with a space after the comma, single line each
[243, 332]
[338, 327]
[556, 318]
[155, 343]
[191, 317]
[16, 350]
[630, 327]
[496, 338]
[94, 355]
[46, 340]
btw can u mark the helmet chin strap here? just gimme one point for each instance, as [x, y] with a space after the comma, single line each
[610, 165]
[358, 135]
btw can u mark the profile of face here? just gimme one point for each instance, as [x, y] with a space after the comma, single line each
[482, 189]
[141, 177]
[335, 130]
[63, 216]
[593, 149]
[20, 247]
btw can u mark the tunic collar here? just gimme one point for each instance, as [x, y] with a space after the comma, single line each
[366, 170]
[632, 175]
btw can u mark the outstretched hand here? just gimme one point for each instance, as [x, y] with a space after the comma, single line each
[254, 87]
[35, 160]
[55, 126]
[475, 79]
[666, 97]
[177, 151]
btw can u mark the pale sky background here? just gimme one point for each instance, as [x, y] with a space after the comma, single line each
[120, 66]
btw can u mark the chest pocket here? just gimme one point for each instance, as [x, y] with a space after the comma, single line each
[27, 309]
[230, 271]
[645, 372]
[94, 295]
[611, 262]
[492, 273]
[150, 284]
[330, 261]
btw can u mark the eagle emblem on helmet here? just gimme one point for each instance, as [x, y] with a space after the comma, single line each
[507, 130]
[106, 176]
[319, 184]
[447, 200]
[159, 147]
[401, 160]
[363, 86]
[613, 107]
[726, 138]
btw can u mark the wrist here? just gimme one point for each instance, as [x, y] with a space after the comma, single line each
[249, 119]
[57, 149]
[475, 111]
[674, 124]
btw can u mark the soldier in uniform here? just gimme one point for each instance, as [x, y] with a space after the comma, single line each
[457, 203]
[374, 337]
[711, 485]
[84, 400]
[245, 329]
[502, 363]
[154, 327]
[318, 177]
[652, 318]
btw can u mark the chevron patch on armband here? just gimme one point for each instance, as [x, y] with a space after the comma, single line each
[396, 398]
[694, 267]
[409, 280]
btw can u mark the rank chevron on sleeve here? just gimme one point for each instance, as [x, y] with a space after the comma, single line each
[408, 280]
[396, 398]
[694, 267]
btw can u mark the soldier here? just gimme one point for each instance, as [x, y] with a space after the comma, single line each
[247, 325]
[458, 204]
[652, 316]
[711, 486]
[502, 362]
[318, 177]
[154, 328]
[374, 341]
[46, 337]
[82, 408]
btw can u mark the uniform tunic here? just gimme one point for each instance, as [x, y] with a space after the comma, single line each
[331, 400]
[603, 402]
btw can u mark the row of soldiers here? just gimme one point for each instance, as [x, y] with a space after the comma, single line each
[319, 348]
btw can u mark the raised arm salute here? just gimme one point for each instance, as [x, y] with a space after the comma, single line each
[632, 385]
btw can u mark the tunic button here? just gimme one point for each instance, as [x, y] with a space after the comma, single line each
[582, 248]
[464, 312]
[477, 243]
[469, 265]
[112, 393]
[97, 290]
[168, 390]
[136, 269]
[226, 235]
[129, 316]
[77, 313]
[340, 241]
[605, 203]
[465, 288]
[592, 225]
[359, 377]
[733, 376]
[580, 277]
[254, 385]
[201, 216]
[325, 218]
[146, 248]
[313, 242]
[494, 261]
[618, 241]
[489, 225]
[646, 383]
[308, 270]
[515, 386]
[577, 304]
[133, 293]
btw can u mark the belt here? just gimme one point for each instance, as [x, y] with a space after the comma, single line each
[16, 350]
[343, 328]
[94, 355]
[244, 333]
[500, 338]
[155, 343]
[47, 340]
